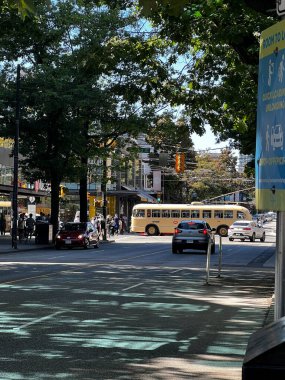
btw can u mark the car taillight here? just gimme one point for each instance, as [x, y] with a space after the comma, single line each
[247, 229]
[204, 231]
[177, 231]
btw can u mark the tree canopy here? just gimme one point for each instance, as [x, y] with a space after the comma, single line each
[92, 74]
[220, 38]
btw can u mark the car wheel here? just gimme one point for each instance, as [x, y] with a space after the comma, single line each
[252, 238]
[57, 247]
[222, 231]
[263, 237]
[231, 239]
[152, 230]
[180, 250]
[174, 248]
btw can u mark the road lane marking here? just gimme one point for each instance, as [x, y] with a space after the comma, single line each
[35, 321]
[88, 265]
[177, 270]
[131, 287]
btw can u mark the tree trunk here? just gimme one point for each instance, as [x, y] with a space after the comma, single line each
[55, 183]
[83, 192]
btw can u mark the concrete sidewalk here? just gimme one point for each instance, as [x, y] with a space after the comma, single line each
[6, 245]
[30, 245]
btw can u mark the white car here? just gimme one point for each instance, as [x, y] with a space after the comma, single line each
[246, 229]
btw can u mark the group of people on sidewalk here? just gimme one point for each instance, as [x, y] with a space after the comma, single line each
[115, 225]
[27, 225]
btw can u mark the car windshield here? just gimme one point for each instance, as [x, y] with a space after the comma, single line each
[240, 224]
[191, 226]
[74, 227]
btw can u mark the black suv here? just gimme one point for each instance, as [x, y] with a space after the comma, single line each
[193, 234]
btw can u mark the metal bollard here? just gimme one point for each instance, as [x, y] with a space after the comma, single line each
[220, 257]
[208, 262]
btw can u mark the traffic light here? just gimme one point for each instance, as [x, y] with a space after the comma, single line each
[180, 162]
[158, 197]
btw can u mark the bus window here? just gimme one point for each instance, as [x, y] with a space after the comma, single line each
[240, 215]
[175, 214]
[228, 214]
[148, 213]
[165, 213]
[155, 213]
[139, 213]
[207, 214]
[218, 214]
[185, 214]
[195, 214]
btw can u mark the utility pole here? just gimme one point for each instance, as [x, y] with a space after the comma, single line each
[16, 163]
[104, 197]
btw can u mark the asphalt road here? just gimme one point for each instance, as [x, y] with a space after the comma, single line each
[132, 310]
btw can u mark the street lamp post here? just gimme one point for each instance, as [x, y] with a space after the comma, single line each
[16, 163]
[104, 197]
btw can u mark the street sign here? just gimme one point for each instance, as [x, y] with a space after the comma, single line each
[280, 7]
[270, 144]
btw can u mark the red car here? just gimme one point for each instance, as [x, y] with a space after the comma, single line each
[77, 234]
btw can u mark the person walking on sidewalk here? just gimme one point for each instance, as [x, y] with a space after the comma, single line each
[2, 224]
[21, 227]
[30, 226]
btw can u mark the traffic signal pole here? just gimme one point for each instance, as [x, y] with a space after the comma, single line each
[104, 197]
[16, 163]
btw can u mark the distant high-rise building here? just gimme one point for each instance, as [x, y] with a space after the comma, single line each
[242, 160]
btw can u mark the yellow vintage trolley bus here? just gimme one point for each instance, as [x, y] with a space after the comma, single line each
[156, 219]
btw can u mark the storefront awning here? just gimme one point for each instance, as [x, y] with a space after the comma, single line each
[145, 197]
[8, 190]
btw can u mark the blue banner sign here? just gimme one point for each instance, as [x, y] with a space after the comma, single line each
[270, 146]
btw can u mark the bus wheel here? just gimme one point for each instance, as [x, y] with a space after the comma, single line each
[152, 230]
[222, 231]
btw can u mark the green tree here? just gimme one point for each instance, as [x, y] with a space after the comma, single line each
[220, 42]
[216, 174]
[92, 76]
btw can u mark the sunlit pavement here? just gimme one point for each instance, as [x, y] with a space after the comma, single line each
[92, 324]
[129, 321]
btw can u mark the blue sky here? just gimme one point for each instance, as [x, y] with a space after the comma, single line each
[207, 141]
